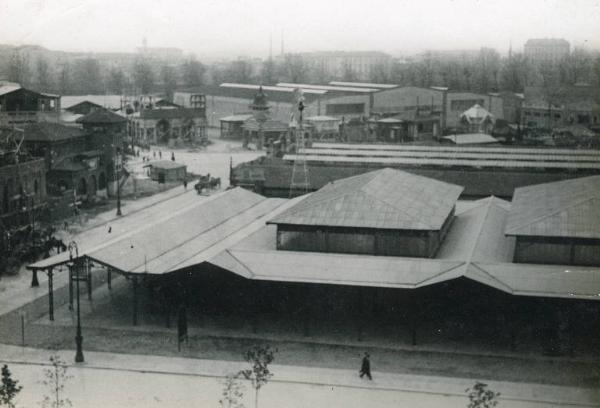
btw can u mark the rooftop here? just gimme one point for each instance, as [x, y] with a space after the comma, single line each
[228, 230]
[382, 199]
[105, 101]
[101, 116]
[363, 85]
[471, 138]
[568, 209]
[166, 164]
[50, 132]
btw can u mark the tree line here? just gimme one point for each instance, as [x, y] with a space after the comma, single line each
[487, 71]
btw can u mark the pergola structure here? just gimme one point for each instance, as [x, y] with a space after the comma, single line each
[229, 230]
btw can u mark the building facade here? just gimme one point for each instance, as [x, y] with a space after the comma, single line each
[546, 50]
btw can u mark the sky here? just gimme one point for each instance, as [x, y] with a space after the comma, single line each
[231, 28]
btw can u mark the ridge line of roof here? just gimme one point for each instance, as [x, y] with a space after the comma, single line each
[250, 272]
[480, 227]
[256, 218]
[476, 266]
[195, 235]
[460, 263]
[375, 198]
[508, 230]
[292, 211]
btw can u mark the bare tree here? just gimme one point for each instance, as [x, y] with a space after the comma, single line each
[9, 388]
[239, 71]
[56, 377]
[87, 77]
[193, 72]
[143, 76]
[18, 68]
[64, 80]
[116, 80]
[268, 74]
[43, 77]
[259, 357]
[480, 397]
[295, 68]
[169, 81]
[233, 392]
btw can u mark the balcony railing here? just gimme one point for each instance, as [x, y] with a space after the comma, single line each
[24, 117]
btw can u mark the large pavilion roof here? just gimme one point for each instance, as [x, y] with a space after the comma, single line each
[382, 199]
[568, 209]
[229, 230]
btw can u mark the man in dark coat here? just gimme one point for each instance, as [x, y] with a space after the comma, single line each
[365, 368]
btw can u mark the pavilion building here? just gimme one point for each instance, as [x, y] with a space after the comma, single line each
[386, 212]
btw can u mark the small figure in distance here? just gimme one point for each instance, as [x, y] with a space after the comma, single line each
[365, 368]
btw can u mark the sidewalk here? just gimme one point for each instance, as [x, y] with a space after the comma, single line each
[175, 366]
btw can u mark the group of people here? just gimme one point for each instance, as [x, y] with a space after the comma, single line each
[147, 158]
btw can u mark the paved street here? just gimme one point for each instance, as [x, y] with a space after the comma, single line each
[113, 380]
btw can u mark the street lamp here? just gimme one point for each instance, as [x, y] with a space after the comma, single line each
[78, 337]
[118, 182]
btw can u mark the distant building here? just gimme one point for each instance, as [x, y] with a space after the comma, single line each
[165, 171]
[340, 64]
[22, 188]
[19, 105]
[561, 106]
[546, 50]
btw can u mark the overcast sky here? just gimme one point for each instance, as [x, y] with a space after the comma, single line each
[240, 27]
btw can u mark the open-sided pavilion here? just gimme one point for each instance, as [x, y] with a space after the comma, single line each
[228, 232]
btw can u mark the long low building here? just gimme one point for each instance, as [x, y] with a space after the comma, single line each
[385, 230]
[483, 171]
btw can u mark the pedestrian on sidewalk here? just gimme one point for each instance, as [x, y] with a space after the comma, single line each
[365, 368]
[160, 154]
[154, 154]
[185, 184]
[172, 156]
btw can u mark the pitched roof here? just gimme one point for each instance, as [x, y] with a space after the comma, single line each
[569, 208]
[239, 117]
[476, 114]
[171, 113]
[50, 132]
[106, 101]
[6, 89]
[471, 138]
[166, 164]
[268, 126]
[383, 199]
[101, 116]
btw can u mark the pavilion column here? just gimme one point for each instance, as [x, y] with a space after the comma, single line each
[135, 299]
[50, 294]
[34, 279]
[306, 310]
[414, 308]
[361, 312]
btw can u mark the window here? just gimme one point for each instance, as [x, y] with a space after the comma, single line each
[536, 114]
[345, 108]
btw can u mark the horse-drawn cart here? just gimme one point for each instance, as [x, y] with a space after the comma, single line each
[207, 183]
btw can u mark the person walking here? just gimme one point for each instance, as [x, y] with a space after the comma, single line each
[185, 184]
[172, 156]
[160, 154]
[365, 368]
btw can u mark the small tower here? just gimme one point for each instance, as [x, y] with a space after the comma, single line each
[260, 109]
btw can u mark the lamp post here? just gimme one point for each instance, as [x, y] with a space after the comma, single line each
[78, 336]
[118, 181]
